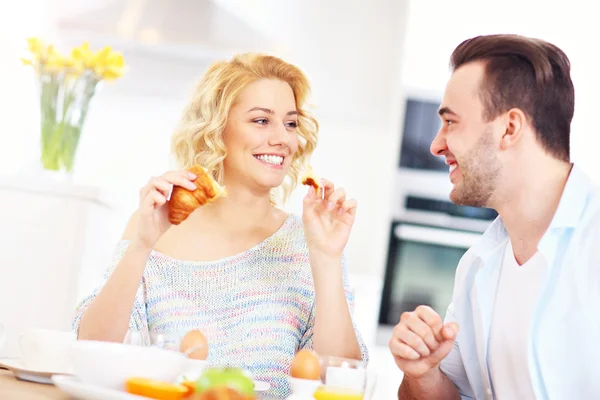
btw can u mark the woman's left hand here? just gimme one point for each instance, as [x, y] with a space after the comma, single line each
[328, 221]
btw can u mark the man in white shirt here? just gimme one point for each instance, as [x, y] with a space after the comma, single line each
[524, 322]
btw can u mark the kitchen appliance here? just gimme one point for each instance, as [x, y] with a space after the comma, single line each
[425, 246]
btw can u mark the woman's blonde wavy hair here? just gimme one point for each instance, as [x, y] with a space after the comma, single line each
[198, 139]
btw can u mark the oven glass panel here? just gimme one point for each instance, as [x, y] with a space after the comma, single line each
[422, 274]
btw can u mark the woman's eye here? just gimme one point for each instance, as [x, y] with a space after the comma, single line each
[292, 124]
[261, 121]
[448, 122]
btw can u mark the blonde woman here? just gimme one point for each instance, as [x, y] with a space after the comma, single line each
[241, 269]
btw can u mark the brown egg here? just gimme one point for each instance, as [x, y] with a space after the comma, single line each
[305, 365]
[195, 338]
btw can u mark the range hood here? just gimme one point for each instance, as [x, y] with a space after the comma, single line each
[187, 28]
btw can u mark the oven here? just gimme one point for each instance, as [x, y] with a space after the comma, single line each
[425, 247]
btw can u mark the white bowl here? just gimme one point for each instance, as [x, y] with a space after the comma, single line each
[109, 364]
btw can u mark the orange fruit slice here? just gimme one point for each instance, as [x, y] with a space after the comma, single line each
[155, 389]
[190, 385]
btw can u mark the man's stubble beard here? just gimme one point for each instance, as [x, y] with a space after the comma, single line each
[480, 170]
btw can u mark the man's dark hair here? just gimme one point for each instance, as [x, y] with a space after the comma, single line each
[529, 74]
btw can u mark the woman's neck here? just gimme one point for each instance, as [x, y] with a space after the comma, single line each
[241, 208]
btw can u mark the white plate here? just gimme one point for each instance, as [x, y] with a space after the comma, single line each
[73, 386]
[21, 371]
[84, 391]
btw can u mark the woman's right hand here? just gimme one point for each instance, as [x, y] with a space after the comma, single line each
[153, 219]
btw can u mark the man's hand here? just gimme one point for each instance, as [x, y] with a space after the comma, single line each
[421, 341]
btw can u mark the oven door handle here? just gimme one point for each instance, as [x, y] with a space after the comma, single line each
[442, 237]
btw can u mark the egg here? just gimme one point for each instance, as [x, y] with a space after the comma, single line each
[195, 338]
[305, 365]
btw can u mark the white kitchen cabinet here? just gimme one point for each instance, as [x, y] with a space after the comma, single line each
[52, 243]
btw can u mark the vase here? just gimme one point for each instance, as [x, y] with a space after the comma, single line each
[64, 103]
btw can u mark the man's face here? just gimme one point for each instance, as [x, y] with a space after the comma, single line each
[466, 140]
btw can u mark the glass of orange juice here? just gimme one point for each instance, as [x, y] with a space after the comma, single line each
[342, 378]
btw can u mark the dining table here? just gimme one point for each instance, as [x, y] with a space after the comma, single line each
[13, 388]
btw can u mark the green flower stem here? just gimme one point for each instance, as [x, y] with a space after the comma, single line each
[64, 102]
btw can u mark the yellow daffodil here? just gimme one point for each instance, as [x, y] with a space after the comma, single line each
[54, 61]
[67, 85]
[105, 63]
[102, 56]
[82, 56]
[109, 64]
[35, 46]
[111, 74]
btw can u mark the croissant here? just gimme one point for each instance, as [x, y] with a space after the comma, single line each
[310, 179]
[183, 202]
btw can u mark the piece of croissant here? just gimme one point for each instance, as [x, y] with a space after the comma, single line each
[183, 202]
[310, 179]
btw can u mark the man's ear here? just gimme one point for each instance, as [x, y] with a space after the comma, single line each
[515, 122]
